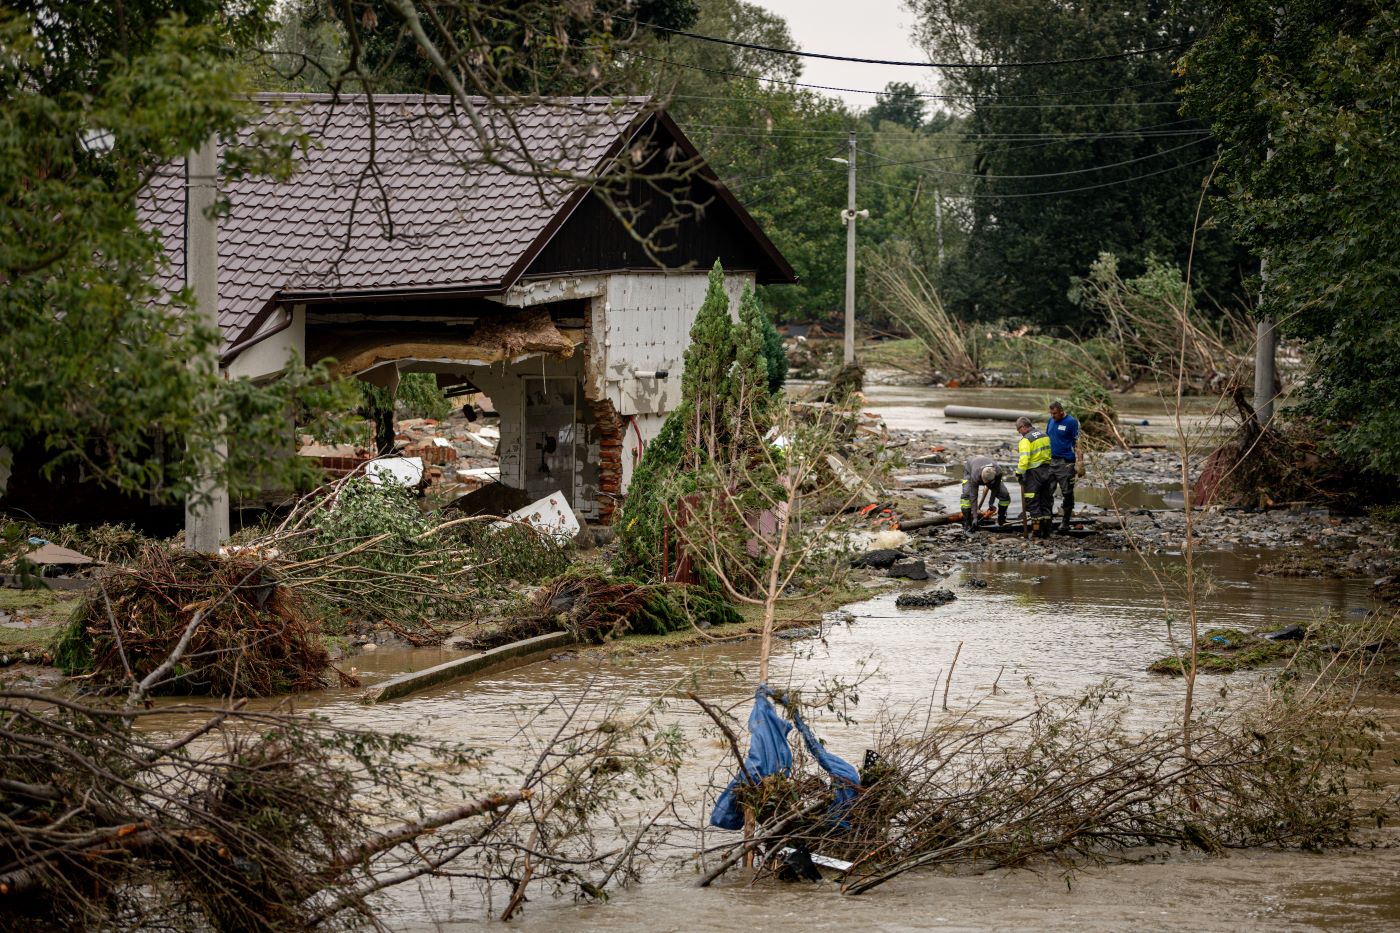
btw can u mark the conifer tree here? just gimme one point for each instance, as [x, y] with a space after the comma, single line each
[708, 360]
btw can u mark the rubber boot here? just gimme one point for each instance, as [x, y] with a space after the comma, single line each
[1001, 516]
[969, 522]
[1043, 527]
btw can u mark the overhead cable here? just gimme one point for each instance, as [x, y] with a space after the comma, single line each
[1076, 171]
[1040, 194]
[734, 43]
[979, 175]
[849, 90]
[1083, 105]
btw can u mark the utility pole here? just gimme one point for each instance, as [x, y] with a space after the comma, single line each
[938, 223]
[206, 507]
[848, 217]
[1265, 348]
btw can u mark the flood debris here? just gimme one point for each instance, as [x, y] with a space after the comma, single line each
[236, 629]
[925, 599]
[596, 607]
[879, 559]
[911, 568]
[1069, 782]
[229, 818]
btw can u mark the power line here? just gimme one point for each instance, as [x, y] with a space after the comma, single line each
[1041, 194]
[724, 129]
[1088, 104]
[1060, 174]
[925, 96]
[733, 43]
[1187, 124]
[883, 163]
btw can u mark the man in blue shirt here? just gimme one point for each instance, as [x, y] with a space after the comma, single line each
[1063, 429]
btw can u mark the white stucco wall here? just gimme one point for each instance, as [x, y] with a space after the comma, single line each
[642, 324]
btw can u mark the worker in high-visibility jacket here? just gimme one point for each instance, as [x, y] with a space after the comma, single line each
[982, 471]
[1033, 470]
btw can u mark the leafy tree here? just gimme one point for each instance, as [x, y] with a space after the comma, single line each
[1302, 97]
[900, 103]
[95, 368]
[495, 48]
[1058, 129]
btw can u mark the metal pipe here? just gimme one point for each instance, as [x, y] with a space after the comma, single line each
[990, 414]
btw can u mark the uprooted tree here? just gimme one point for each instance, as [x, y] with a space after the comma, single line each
[120, 816]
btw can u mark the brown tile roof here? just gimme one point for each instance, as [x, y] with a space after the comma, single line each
[437, 215]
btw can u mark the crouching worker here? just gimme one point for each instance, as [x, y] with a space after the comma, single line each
[977, 473]
[1033, 470]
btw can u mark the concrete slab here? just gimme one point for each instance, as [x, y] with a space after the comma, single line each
[505, 657]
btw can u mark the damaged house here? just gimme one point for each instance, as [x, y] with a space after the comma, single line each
[553, 257]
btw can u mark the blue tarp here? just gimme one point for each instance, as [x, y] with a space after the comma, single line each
[845, 779]
[769, 754]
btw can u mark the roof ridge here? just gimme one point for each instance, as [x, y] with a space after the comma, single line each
[318, 96]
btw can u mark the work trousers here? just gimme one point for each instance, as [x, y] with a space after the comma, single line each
[1061, 481]
[971, 492]
[1038, 491]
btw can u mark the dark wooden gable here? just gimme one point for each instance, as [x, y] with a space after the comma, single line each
[693, 222]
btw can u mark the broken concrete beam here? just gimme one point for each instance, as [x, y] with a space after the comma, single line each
[499, 659]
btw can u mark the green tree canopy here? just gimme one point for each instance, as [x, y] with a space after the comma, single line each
[95, 366]
[900, 103]
[1074, 159]
[1302, 97]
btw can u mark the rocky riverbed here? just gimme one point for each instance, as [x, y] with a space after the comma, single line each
[1133, 500]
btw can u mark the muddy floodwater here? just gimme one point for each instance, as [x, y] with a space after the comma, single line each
[1033, 628]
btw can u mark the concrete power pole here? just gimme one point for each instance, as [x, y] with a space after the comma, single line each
[1265, 348]
[206, 509]
[938, 224]
[1265, 351]
[848, 217]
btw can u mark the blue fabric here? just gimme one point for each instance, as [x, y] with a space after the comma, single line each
[845, 779]
[768, 754]
[1063, 435]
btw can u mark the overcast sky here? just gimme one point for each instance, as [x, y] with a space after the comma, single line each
[883, 30]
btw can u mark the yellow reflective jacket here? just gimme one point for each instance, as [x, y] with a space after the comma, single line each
[1035, 451]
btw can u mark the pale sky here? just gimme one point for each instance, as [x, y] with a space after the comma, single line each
[882, 29]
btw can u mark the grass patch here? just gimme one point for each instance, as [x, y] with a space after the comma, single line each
[907, 354]
[43, 606]
[790, 614]
[1224, 651]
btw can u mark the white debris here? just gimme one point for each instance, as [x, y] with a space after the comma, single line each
[401, 471]
[889, 539]
[550, 515]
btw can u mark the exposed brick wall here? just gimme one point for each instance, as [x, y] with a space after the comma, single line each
[610, 436]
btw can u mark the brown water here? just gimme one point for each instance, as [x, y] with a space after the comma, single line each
[1045, 628]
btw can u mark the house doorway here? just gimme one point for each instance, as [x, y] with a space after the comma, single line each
[551, 441]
